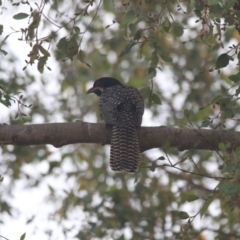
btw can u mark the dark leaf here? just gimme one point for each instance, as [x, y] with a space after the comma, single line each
[212, 2]
[156, 99]
[128, 17]
[229, 188]
[205, 123]
[206, 205]
[127, 49]
[166, 58]
[72, 47]
[20, 16]
[81, 55]
[3, 51]
[177, 30]
[235, 78]
[145, 92]
[23, 236]
[222, 61]
[192, 198]
[76, 30]
[62, 45]
[186, 113]
[166, 25]
[44, 51]
[41, 63]
[183, 215]
[138, 34]
[1, 29]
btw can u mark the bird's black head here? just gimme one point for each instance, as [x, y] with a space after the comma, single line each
[101, 84]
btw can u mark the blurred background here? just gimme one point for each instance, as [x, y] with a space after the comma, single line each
[180, 55]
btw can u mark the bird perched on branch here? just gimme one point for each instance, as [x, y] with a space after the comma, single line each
[122, 107]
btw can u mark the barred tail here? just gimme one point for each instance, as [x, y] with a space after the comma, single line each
[124, 153]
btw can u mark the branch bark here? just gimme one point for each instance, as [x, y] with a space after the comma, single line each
[60, 134]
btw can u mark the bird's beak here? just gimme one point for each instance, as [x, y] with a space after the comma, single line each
[97, 90]
[90, 90]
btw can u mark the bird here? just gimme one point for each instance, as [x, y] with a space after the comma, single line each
[121, 107]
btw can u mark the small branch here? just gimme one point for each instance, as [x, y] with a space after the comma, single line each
[4, 237]
[193, 173]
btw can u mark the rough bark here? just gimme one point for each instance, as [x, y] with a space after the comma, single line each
[60, 134]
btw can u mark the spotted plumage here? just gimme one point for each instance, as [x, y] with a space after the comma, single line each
[122, 107]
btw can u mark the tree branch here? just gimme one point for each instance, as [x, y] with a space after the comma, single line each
[60, 134]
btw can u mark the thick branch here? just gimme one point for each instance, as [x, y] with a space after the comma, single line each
[60, 134]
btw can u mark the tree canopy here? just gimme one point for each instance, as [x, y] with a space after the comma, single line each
[183, 56]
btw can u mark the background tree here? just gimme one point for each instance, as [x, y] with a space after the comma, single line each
[183, 54]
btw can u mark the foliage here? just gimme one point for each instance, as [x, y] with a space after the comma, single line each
[184, 55]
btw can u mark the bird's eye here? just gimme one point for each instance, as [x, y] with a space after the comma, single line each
[98, 92]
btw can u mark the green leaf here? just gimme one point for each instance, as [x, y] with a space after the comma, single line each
[205, 123]
[41, 63]
[145, 92]
[186, 113]
[166, 58]
[237, 174]
[235, 78]
[156, 99]
[1, 178]
[237, 151]
[152, 71]
[177, 30]
[229, 188]
[230, 167]
[192, 198]
[222, 146]
[154, 60]
[1, 29]
[229, 4]
[62, 45]
[127, 49]
[72, 47]
[128, 17]
[228, 112]
[183, 215]
[132, 28]
[44, 51]
[199, 6]
[138, 34]
[166, 25]
[209, 39]
[23, 236]
[216, 99]
[206, 205]
[153, 167]
[81, 55]
[222, 61]
[35, 20]
[76, 29]
[237, 92]
[212, 2]
[3, 51]
[20, 16]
